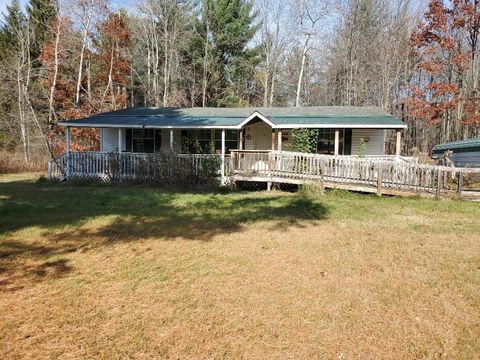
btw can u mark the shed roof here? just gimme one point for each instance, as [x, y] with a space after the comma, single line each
[278, 117]
[463, 144]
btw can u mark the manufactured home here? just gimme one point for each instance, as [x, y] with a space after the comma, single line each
[133, 133]
[341, 130]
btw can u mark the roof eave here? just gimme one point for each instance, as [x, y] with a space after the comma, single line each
[235, 127]
[134, 126]
[340, 126]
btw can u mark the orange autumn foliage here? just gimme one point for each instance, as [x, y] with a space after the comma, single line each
[111, 61]
[442, 63]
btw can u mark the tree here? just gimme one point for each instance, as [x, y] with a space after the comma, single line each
[443, 91]
[232, 27]
[87, 13]
[13, 23]
[304, 140]
[114, 63]
[40, 15]
[11, 33]
[275, 34]
[309, 13]
[466, 21]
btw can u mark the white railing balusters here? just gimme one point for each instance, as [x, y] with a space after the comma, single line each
[406, 175]
[126, 166]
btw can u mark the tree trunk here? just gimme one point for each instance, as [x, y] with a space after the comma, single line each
[21, 114]
[205, 66]
[302, 68]
[165, 65]
[53, 87]
[80, 65]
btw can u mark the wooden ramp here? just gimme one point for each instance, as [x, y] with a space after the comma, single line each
[382, 176]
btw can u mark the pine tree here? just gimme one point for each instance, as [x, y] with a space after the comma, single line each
[40, 14]
[14, 21]
[231, 26]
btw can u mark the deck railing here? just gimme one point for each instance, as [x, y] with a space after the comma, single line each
[379, 175]
[384, 175]
[127, 166]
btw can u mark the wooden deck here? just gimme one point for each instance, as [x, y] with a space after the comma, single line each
[382, 176]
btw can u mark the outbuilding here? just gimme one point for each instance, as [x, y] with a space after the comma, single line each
[465, 153]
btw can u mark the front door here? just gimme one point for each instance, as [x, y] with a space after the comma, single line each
[262, 134]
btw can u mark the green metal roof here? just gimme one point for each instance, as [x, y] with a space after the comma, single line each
[337, 120]
[463, 144]
[279, 117]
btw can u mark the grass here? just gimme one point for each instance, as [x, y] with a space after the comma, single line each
[115, 272]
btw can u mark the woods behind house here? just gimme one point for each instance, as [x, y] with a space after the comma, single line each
[73, 58]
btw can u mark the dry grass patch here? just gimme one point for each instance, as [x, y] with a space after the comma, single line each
[115, 272]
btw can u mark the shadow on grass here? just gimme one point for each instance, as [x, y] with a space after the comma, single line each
[58, 213]
[24, 264]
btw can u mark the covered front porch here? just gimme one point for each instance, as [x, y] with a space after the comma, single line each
[135, 133]
[253, 136]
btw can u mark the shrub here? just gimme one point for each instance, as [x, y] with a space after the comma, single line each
[13, 162]
[310, 190]
[165, 168]
[304, 140]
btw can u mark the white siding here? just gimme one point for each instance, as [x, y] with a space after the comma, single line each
[109, 139]
[258, 136]
[124, 139]
[375, 144]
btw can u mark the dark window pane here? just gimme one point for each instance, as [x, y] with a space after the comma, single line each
[326, 141]
[128, 140]
[143, 140]
[158, 140]
[347, 149]
[231, 135]
[137, 133]
[231, 140]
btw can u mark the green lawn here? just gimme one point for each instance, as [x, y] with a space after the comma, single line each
[143, 272]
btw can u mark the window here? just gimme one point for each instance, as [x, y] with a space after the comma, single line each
[143, 140]
[231, 140]
[204, 138]
[197, 141]
[347, 140]
[326, 141]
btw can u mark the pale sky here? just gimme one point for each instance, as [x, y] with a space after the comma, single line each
[3, 6]
[115, 4]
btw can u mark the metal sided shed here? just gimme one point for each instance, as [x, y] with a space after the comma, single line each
[465, 153]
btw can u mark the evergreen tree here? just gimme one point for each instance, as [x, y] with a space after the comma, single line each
[13, 23]
[40, 14]
[228, 27]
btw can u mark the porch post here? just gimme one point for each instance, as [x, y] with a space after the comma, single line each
[120, 139]
[67, 138]
[240, 145]
[398, 147]
[171, 139]
[273, 139]
[222, 170]
[337, 142]
[279, 140]
[212, 140]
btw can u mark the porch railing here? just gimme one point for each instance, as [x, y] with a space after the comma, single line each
[377, 174]
[105, 166]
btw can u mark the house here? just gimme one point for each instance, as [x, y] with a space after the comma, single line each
[134, 132]
[465, 153]
[201, 130]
